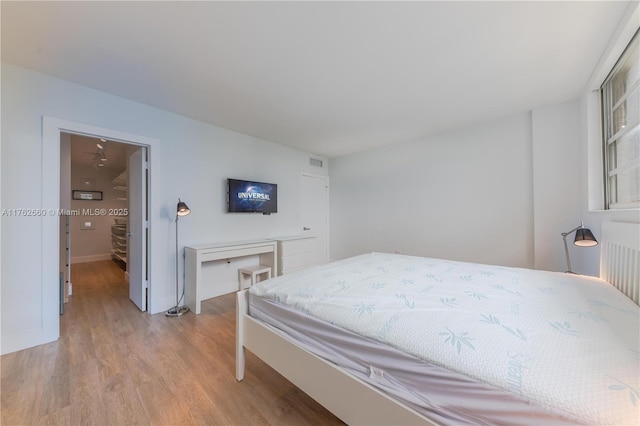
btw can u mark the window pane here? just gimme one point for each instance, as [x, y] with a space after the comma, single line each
[612, 157]
[628, 148]
[627, 73]
[628, 186]
[613, 189]
[627, 112]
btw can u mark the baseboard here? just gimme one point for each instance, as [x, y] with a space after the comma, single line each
[92, 258]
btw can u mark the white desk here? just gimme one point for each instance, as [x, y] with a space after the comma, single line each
[196, 255]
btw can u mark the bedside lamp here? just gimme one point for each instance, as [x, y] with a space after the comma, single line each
[584, 238]
[176, 311]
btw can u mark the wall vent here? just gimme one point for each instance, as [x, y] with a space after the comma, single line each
[315, 162]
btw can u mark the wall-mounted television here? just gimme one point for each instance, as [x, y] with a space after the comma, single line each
[245, 196]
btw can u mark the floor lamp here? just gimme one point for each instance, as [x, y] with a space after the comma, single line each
[177, 310]
[584, 238]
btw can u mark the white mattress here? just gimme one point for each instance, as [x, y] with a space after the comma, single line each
[440, 395]
[565, 342]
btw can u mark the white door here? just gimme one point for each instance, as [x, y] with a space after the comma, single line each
[314, 213]
[137, 224]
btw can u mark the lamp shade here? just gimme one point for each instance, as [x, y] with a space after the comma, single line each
[585, 238]
[183, 209]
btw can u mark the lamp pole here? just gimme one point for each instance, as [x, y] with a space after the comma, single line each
[566, 250]
[181, 210]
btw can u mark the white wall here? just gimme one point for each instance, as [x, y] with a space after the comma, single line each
[191, 160]
[497, 193]
[88, 245]
[557, 182]
[434, 197]
[464, 195]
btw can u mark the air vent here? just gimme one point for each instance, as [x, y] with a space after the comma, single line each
[315, 162]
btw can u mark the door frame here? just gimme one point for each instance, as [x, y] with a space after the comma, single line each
[325, 178]
[51, 130]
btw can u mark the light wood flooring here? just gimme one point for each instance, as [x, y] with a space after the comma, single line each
[114, 365]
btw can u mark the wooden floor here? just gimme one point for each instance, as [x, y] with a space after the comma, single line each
[114, 365]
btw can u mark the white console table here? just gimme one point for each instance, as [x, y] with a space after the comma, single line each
[295, 253]
[196, 255]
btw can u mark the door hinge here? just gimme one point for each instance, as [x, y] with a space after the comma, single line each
[145, 284]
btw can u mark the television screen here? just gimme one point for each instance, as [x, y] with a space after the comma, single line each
[252, 197]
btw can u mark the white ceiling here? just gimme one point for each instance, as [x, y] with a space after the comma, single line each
[84, 149]
[330, 78]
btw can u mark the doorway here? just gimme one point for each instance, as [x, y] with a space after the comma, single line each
[103, 189]
[52, 129]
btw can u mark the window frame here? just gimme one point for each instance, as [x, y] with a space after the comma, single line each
[611, 138]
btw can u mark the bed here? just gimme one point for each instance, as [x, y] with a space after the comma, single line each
[392, 339]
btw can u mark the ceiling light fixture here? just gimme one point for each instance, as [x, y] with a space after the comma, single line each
[99, 158]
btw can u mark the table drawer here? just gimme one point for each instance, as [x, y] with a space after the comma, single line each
[297, 261]
[293, 247]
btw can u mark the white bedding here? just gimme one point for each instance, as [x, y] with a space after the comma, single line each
[567, 342]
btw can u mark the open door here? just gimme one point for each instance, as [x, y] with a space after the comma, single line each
[137, 227]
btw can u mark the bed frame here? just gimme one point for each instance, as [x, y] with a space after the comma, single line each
[357, 402]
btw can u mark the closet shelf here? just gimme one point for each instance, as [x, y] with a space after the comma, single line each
[121, 180]
[119, 228]
[119, 242]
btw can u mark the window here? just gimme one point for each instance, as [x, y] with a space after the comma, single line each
[621, 130]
